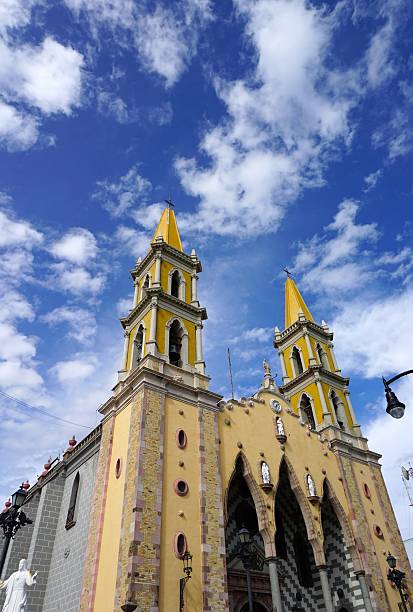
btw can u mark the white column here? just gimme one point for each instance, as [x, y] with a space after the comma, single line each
[194, 295]
[356, 426]
[312, 359]
[326, 413]
[125, 350]
[363, 585]
[328, 602]
[283, 368]
[333, 357]
[275, 585]
[151, 344]
[136, 293]
[199, 362]
[157, 281]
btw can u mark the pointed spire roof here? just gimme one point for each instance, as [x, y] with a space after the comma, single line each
[294, 304]
[168, 229]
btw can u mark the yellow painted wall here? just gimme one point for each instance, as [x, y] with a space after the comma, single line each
[106, 578]
[189, 523]
[300, 343]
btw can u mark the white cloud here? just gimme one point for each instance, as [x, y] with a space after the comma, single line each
[118, 197]
[15, 13]
[74, 370]
[78, 246]
[255, 334]
[380, 67]
[18, 130]
[131, 241]
[75, 279]
[375, 335]
[282, 123]
[14, 305]
[81, 322]
[115, 14]
[337, 261]
[371, 179]
[17, 232]
[47, 77]
[124, 305]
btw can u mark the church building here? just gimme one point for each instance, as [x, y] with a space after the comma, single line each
[182, 501]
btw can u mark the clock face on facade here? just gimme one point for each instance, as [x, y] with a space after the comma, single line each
[276, 406]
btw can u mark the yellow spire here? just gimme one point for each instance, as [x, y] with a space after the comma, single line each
[294, 303]
[168, 229]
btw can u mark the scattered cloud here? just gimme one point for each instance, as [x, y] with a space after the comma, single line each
[74, 370]
[16, 232]
[372, 179]
[81, 322]
[118, 197]
[75, 279]
[131, 241]
[255, 334]
[78, 246]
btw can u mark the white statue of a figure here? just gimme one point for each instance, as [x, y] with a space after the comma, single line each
[16, 588]
[265, 472]
[280, 427]
[311, 486]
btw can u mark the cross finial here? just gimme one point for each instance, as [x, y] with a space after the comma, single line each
[170, 203]
[288, 273]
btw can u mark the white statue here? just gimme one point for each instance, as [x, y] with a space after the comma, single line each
[266, 367]
[280, 427]
[311, 486]
[16, 588]
[265, 473]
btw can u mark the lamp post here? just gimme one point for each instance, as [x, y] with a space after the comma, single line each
[245, 555]
[11, 520]
[396, 576]
[186, 559]
[394, 406]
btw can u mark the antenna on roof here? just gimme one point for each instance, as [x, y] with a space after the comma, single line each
[230, 374]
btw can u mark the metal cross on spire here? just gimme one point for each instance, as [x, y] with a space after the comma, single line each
[288, 273]
[170, 203]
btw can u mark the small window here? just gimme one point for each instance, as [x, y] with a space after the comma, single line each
[180, 545]
[71, 513]
[298, 364]
[175, 344]
[118, 468]
[175, 284]
[181, 487]
[181, 439]
[366, 491]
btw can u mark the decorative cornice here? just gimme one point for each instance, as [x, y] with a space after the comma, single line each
[281, 338]
[163, 247]
[315, 372]
[166, 298]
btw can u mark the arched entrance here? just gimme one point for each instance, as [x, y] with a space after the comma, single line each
[343, 582]
[241, 513]
[299, 578]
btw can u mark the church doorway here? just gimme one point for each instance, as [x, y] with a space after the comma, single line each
[299, 579]
[241, 514]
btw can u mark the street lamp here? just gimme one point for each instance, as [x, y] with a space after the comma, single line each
[245, 555]
[186, 559]
[396, 576]
[12, 519]
[394, 406]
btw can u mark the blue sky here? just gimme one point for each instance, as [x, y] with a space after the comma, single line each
[282, 130]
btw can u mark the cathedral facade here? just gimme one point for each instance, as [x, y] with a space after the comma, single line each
[174, 469]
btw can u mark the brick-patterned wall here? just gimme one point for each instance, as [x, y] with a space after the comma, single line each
[213, 536]
[139, 555]
[362, 533]
[66, 568]
[19, 547]
[96, 518]
[44, 533]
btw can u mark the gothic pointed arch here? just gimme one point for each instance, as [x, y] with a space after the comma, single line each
[328, 493]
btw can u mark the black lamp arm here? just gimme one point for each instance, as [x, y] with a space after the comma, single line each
[386, 383]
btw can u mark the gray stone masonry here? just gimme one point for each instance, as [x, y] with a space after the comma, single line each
[66, 570]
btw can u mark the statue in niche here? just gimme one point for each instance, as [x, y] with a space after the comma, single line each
[311, 486]
[265, 473]
[16, 588]
[280, 427]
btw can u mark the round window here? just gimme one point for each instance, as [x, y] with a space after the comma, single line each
[378, 532]
[180, 545]
[181, 438]
[181, 487]
[118, 467]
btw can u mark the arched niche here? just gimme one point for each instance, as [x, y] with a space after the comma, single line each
[176, 343]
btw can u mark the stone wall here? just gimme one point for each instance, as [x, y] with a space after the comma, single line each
[66, 569]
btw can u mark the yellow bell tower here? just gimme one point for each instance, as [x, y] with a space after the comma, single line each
[312, 380]
[166, 318]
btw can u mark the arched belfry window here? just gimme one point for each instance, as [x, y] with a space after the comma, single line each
[145, 286]
[175, 284]
[306, 411]
[71, 513]
[338, 409]
[322, 356]
[175, 343]
[297, 362]
[138, 346]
